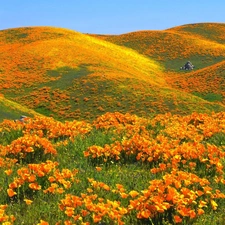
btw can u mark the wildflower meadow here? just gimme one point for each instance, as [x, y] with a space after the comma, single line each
[118, 169]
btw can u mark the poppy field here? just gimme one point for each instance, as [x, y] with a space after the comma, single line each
[68, 75]
[115, 133]
[202, 43]
[118, 169]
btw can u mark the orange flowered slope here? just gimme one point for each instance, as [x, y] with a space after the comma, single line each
[209, 80]
[175, 44]
[211, 31]
[203, 44]
[39, 61]
[69, 75]
[28, 53]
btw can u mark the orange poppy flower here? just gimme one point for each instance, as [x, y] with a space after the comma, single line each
[106, 187]
[192, 214]
[199, 193]
[28, 201]
[67, 222]
[214, 205]
[11, 193]
[35, 186]
[96, 218]
[145, 214]
[89, 190]
[3, 207]
[69, 211]
[123, 195]
[119, 186]
[85, 223]
[98, 168]
[51, 179]
[13, 185]
[60, 190]
[84, 213]
[32, 178]
[177, 219]
[43, 223]
[8, 172]
[202, 204]
[86, 153]
[133, 194]
[201, 211]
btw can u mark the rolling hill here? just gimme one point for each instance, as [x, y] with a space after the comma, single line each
[69, 75]
[202, 43]
[118, 168]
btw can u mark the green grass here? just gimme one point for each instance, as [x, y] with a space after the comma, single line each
[42, 109]
[66, 76]
[211, 97]
[199, 61]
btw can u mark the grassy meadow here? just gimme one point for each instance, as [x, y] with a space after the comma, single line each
[119, 169]
[115, 133]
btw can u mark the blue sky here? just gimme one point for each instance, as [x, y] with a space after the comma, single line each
[109, 16]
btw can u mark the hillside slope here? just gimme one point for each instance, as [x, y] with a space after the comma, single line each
[208, 83]
[33, 51]
[13, 110]
[69, 75]
[202, 43]
[211, 31]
